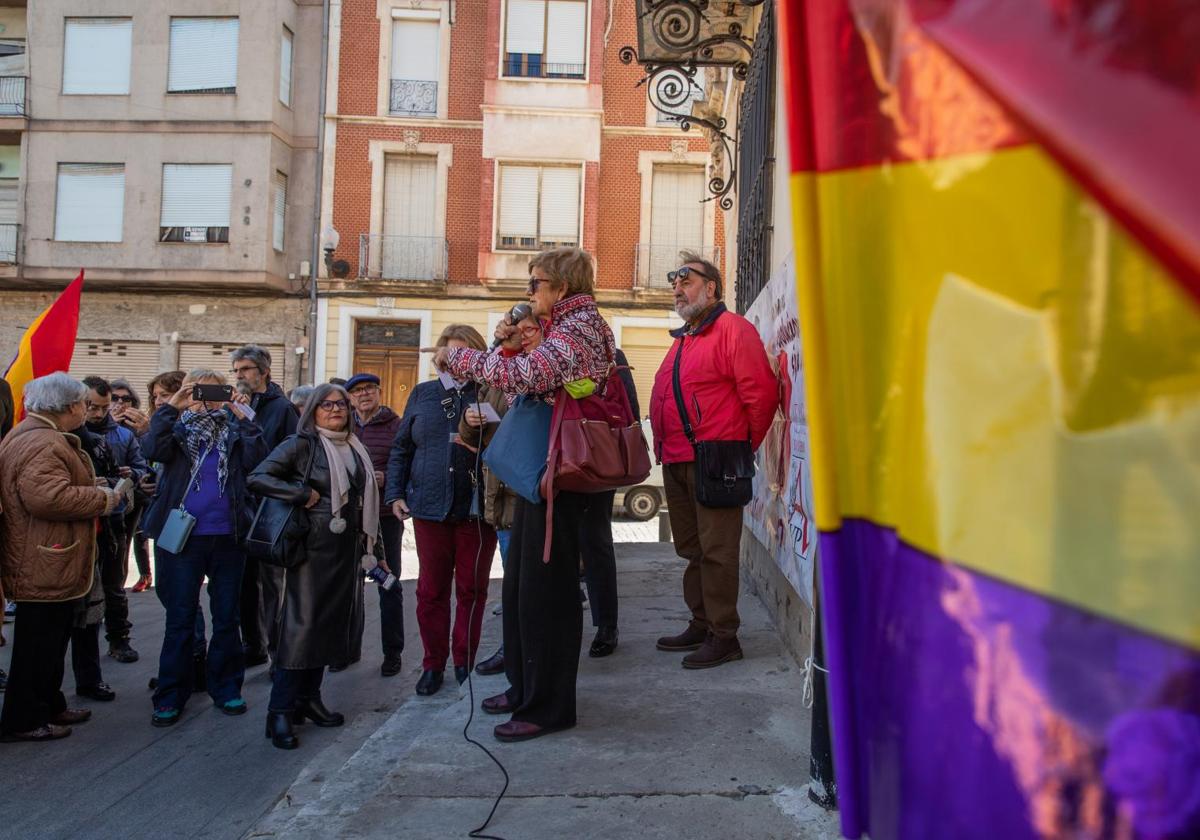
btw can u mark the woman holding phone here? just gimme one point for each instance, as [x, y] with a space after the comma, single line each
[206, 447]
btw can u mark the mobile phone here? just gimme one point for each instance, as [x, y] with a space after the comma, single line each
[212, 393]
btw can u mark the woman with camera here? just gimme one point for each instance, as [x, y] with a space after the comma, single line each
[205, 446]
[326, 469]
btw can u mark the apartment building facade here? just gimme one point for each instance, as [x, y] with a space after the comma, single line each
[169, 149]
[461, 139]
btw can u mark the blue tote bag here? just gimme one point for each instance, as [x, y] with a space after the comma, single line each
[517, 453]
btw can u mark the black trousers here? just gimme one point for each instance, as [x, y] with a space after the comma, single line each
[34, 693]
[391, 601]
[137, 540]
[599, 558]
[257, 591]
[85, 656]
[543, 620]
[113, 568]
[292, 684]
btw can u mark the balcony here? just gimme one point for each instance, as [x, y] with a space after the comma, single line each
[421, 259]
[10, 241]
[12, 97]
[534, 66]
[653, 261]
[413, 98]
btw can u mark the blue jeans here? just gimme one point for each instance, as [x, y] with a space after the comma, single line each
[179, 579]
[503, 538]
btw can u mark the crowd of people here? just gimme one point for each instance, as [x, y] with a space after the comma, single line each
[332, 475]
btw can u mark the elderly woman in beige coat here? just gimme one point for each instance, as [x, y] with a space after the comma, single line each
[50, 500]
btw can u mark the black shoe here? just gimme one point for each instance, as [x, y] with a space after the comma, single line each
[492, 665]
[429, 683]
[3, 679]
[153, 684]
[279, 730]
[255, 658]
[313, 709]
[336, 669]
[122, 652]
[605, 642]
[100, 691]
[461, 672]
[391, 665]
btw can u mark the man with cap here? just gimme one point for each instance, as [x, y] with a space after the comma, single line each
[376, 426]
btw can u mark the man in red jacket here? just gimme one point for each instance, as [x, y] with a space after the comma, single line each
[376, 425]
[730, 394]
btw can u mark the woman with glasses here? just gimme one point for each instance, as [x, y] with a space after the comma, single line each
[327, 470]
[437, 481]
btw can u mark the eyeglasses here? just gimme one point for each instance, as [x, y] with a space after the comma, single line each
[123, 398]
[244, 369]
[333, 405]
[683, 274]
[364, 389]
[530, 332]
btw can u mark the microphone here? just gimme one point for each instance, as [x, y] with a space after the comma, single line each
[515, 315]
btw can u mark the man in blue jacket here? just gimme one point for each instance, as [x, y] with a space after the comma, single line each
[114, 564]
[277, 417]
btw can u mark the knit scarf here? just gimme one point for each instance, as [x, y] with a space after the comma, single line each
[206, 431]
[340, 448]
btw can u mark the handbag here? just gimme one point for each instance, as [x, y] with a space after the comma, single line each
[517, 452]
[280, 528]
[179, 523]
[724, 468]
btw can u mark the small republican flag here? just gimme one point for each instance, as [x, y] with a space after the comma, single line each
[47, 345]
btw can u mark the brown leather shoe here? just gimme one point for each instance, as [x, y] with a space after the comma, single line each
[49, 732]
[497, 704]
[715, 651]
[689, 639]
[519, 730]
[71, 716]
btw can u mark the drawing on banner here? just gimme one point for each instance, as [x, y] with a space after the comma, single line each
[780, 514]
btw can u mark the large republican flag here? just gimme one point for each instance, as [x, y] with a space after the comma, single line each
[48, 344]
[997, 228]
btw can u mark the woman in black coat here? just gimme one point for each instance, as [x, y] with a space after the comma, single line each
[321, 619]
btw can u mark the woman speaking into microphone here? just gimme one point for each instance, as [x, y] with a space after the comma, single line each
[542, 634]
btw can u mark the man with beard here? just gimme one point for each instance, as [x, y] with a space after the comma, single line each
[715, 389]
[277, 417]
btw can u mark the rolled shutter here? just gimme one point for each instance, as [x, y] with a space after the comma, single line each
[96, 55]
[676, 216]
[204, 55]
[645, 348]
[519, 205]
[415, 50]
[525, 30]
[279, 188]
[90, 202]
[196, 195]
[134, 361]
[560, 206]
[285, 68]
[215, 356]
[566, 39]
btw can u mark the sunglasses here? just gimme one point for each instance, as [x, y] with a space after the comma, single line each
[333, 405]
[684, 273]
[123, 398]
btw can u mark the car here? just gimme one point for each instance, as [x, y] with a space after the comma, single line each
[642, 502]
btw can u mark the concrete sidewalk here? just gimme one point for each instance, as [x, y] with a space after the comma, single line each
[659, 752]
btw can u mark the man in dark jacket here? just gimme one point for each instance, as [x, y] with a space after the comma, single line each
[277, 417]
[126, 455]
[376, 426]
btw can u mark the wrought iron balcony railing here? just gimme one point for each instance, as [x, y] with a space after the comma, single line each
[653, 261]
[413, 98]
[414, 258]
[12, 96]
[10, 242]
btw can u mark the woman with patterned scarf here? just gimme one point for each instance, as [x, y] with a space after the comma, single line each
[325, 469]
[206, 450]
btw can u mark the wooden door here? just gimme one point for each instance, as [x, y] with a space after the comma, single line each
[388, 349]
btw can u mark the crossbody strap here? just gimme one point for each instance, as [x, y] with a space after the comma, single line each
[678, 389]
[192, 477]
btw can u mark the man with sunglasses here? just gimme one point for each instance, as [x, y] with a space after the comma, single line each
[718, 371]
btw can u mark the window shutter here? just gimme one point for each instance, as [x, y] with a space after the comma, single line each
[203, 54]
[91, 202]
[415, 50]
[196, 195]
[566, 38]
[560, 205]
[519, 202]
[96, 53]
[279, 188]
[8, 201]
[525, 31]
[676, 216]
[285, 68]
[409, 193]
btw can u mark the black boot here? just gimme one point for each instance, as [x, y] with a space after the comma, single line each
[313, 709]
[604, 643]
[429, 683]
[279, 730]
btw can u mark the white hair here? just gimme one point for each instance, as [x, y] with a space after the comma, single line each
[53, 394]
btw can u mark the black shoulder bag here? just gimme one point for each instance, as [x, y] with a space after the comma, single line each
[280, 528]
[724, 468]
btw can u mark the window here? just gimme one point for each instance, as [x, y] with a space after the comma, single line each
[279, 202]
[676, 218]
[203, 55]
[415, 68]
[285, 68]
[539, 207]
[195, 202]
[546, 39]
[90, 206]
[96, 55]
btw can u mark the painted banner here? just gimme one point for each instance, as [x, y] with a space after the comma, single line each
[997, 230]
[780, 515]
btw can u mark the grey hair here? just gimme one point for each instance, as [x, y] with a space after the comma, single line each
[197, 374]
[711, 270]
[299, 395]
[256, 353]
[53, 394]
[308, 417]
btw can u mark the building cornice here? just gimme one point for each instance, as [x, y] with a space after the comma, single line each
[644, 131]
[401, 122]
[531, 110]
[240, 127]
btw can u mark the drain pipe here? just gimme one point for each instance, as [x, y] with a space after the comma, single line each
[315, 266]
